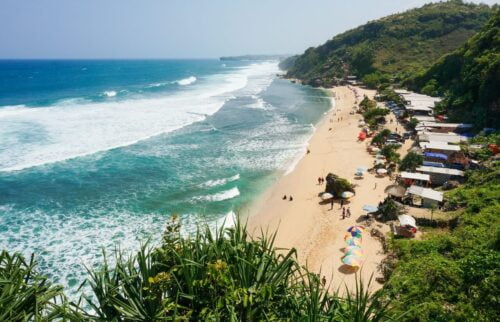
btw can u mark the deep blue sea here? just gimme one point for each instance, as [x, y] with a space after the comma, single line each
[98, 153]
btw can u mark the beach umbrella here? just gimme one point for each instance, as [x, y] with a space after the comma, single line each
[347, 194]
[375, 149]
[379, 162]
[370, 208]
[351, 248]
[379, 157]
[361, 169]
[381, 171]
[359, 173]
[353, 242]
[395, 190]
[352, 260]
[354, 252]
[356, 227]
[326, 196]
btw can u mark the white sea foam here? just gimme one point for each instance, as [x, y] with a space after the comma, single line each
[186, 81]
[109, 93]
[67, 131]
[220, 182]
[220, 196]
[228, 221]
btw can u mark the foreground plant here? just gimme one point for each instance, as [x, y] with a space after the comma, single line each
[225, 276]
[25, 295]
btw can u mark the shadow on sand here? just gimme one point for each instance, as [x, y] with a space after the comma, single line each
[347, 269]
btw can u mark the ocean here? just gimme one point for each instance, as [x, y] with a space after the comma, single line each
[98, 154]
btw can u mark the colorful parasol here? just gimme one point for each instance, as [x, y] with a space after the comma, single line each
[354, 252]
[353, 242]
[352, 260]
[350, 248]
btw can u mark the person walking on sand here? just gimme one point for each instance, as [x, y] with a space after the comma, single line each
[348, 212]
[331, 204]
[343, 213]
[319, 180]
[291, 198]
[284, 197]
[375, 187]
[341, 203]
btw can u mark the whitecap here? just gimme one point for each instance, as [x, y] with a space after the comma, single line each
[76, 129]
[220, 182]
[109, 93]
[220, 196]
[186, 81]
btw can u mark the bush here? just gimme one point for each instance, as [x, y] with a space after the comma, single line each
[25, 295]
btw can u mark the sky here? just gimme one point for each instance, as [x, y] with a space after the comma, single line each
[179, 28]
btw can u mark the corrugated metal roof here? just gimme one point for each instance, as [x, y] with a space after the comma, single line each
[415, 176]
[439, 146]
[452, 172]
[425, 193]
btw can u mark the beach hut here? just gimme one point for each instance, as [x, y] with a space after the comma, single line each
[413, 178]
[428, 197]
[439, 175]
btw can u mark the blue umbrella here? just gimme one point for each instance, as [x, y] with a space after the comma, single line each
[369, 208]
[361, 169]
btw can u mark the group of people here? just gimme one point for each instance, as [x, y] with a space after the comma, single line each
[321, 180]
[290, 198]
[346, 212]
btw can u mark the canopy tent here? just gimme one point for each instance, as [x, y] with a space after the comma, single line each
[407, 220]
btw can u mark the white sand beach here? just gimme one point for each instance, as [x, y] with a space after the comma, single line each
[312, 228]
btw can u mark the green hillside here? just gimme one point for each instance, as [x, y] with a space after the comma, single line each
[469, 78]
[399, 45]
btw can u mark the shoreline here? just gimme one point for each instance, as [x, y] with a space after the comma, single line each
[312, 228]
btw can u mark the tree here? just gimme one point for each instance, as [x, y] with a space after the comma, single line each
[389, 210]
[411, 161]
[390, 154]
[412, 124]
[381, 137]
[336, 185]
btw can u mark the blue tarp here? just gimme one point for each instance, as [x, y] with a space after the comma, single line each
[433, 164]
[436, 155]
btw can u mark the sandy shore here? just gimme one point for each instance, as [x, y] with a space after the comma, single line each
[313, 229]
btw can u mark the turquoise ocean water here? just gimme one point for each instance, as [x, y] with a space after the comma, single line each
[100, 153]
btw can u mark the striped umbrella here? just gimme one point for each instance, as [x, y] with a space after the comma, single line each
[349, 248]
[356, 229]
[354, 252]
[353, 242]
[352, 260]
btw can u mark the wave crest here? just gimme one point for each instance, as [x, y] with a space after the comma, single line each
[186, 81]
[220, 196]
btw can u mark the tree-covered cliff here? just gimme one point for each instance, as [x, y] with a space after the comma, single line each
[397, 46]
